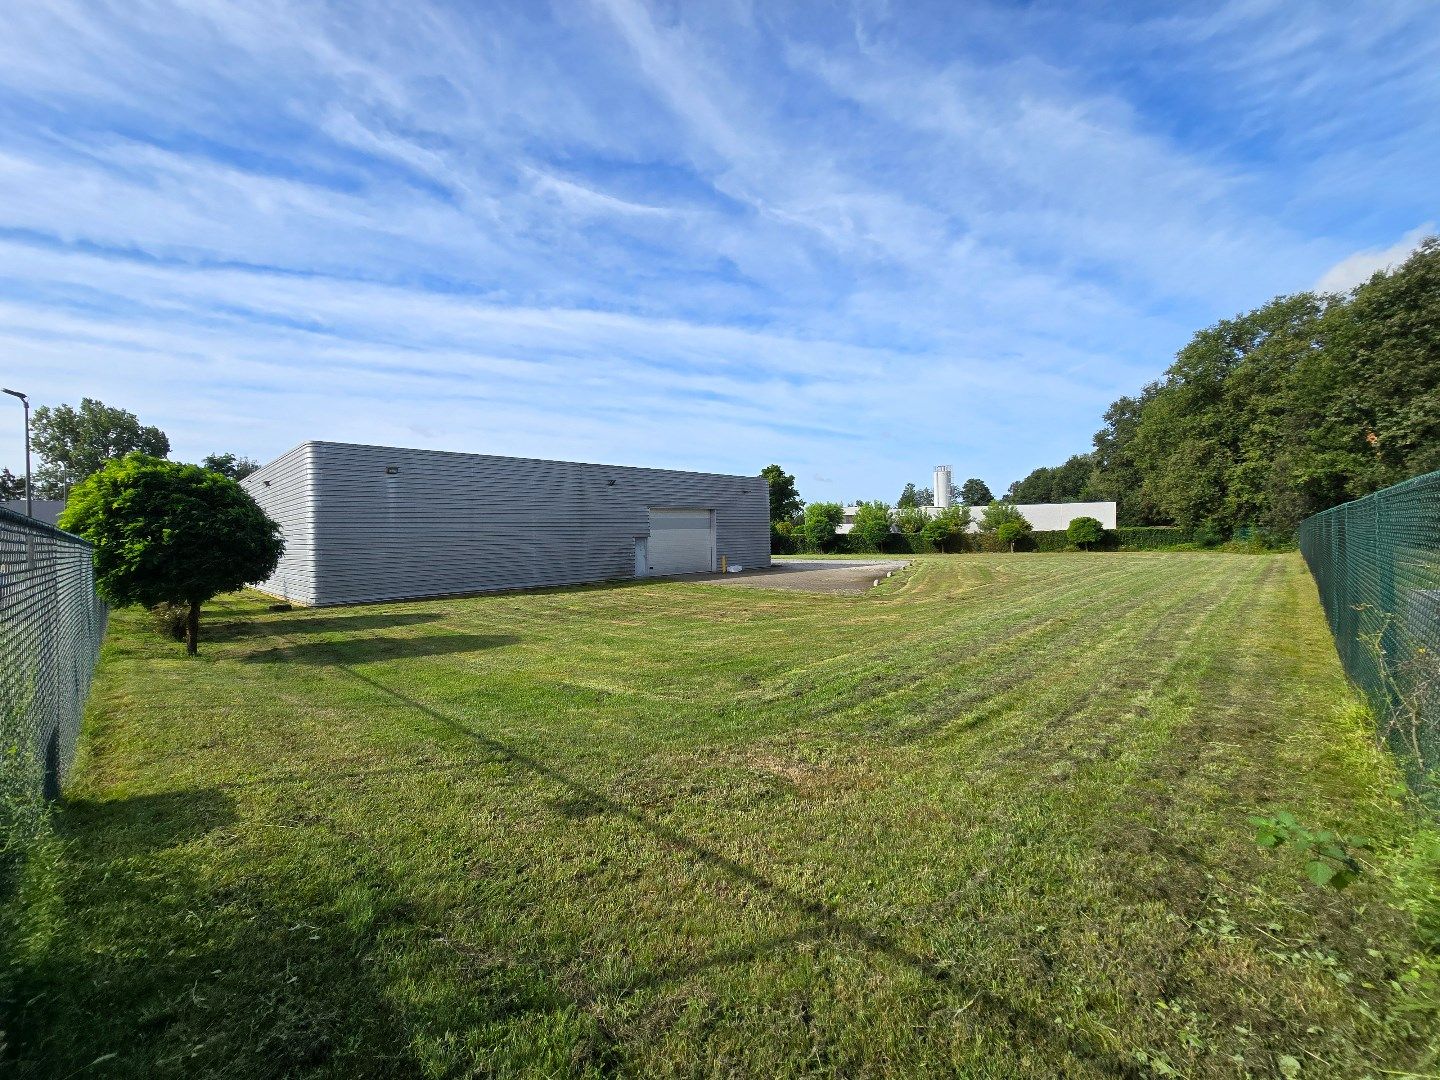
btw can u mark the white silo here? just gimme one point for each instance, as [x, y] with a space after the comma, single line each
[942, 486]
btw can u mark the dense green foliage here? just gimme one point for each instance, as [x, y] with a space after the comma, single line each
[946, 530]
[989, 820]
[72, 444]
[237, 468]
[1084, 532]
[910, 523]
[909, 498]
[1064, 483]
[817, 529]
[785, 502]
[998, 513]
[1011, 532]
[1155, 537]
[871, 529]
[167, 533]
[1266, 418]
[975, 492]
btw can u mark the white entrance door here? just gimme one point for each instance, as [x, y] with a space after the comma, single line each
[681, 542]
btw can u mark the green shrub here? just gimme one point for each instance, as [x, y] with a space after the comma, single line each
[997, 514]
[1011, 532]
[785, 537]
[817, 529]
[910, 521]
[1084, 532]
[1154, 537]
[171, 620]
[1049, 540]
[1209, 535]
[946, 531]
[871, 531]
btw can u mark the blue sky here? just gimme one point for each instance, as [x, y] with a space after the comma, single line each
[855, 239]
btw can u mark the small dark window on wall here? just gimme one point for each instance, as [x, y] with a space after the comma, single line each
[392, 470]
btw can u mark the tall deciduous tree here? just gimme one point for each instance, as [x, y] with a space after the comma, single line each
[1277, 413]
[785, 501]
[1117, 477]
[909, 497]
[975, 492]
[231, 465]
[167, 533]
[75, 443]
[1063, 483]
[11, 486]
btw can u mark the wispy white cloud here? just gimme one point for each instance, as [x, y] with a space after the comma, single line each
[1362, 265]
[709, 236]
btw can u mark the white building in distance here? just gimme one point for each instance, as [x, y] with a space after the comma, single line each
[1043, 517]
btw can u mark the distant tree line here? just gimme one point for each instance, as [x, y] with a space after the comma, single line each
[798, 526]
[73, 444]
[974, 492]
[1266, 418]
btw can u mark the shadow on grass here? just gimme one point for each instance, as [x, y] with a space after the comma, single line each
[826, 919]
[319, 623]
[166, 963]
[365, 650]
[160, 970]
[144, 823]
[437, 771]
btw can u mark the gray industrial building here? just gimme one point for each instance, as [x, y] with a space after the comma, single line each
[368, 523]
[43, 510]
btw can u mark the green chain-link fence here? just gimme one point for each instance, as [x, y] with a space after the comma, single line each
[51, 624]
[1377, 563]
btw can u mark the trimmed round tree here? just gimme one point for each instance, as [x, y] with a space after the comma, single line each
[167, 533]
[1013, 531]
[1084, 531]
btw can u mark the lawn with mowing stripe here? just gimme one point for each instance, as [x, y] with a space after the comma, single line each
[988, 819]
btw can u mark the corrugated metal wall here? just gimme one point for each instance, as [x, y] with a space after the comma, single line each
[391, 524]
[285, 489]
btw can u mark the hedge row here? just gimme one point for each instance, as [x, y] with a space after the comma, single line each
[1125, 538]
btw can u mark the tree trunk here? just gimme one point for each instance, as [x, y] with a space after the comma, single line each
[192, 629]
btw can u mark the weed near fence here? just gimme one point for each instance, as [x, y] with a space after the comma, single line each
[1376, 562]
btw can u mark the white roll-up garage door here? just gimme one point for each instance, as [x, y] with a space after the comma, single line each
[681, 542]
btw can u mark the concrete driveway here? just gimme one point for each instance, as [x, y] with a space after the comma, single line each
[811, 575]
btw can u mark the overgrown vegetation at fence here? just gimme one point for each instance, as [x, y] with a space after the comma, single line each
[51, 623]
[1376, 562]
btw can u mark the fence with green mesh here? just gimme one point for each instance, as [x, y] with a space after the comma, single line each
[1377, 564]
[51, 624]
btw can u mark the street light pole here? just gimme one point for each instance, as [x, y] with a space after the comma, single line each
[29, 502]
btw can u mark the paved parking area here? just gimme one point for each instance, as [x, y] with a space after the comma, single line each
[812, 575]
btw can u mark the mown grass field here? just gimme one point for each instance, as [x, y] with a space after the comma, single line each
[988, 819]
